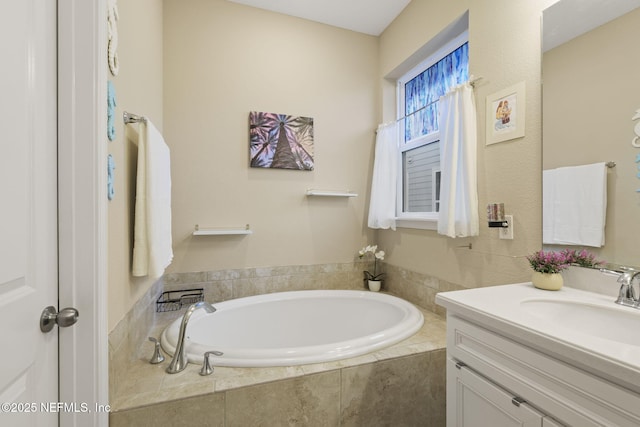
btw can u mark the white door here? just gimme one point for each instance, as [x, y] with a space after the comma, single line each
[28, 212]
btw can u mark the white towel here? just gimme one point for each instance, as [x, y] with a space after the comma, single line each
[574, 205]
[152, 248]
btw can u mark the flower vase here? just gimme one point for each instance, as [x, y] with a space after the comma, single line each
[374, 285]
[547, 281]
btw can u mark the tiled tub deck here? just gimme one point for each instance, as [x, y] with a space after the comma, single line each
[402, 385]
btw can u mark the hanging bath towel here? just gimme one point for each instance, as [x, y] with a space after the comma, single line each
[574, 205]
[152, 246]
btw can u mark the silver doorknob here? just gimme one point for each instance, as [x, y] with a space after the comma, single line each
[50, 316]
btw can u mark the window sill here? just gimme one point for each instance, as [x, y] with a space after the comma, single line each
[417, 223]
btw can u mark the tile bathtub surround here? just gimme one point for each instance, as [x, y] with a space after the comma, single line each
[129, 347]
[202, 411]
[223, 285]
[419, 289]
[409, 391]
[125, 339]
[401, 385]
[128, 341]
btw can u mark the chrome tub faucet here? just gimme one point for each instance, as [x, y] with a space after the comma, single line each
[179, 361]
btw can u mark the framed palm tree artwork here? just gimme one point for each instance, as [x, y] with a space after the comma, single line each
[281, 141]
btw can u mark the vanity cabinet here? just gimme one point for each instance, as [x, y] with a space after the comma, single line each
[479, 402]
[493, 380]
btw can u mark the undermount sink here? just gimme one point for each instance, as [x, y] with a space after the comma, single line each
[613, 323]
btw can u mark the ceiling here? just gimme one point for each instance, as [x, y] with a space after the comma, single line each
[363, 16]
[585, 16]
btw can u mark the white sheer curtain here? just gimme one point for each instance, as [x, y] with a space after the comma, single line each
[458, 215]
[382, 208]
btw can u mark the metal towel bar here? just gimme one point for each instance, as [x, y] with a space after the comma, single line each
[133, 118]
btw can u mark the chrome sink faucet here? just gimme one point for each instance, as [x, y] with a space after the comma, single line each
[626, 295]
[179, 361]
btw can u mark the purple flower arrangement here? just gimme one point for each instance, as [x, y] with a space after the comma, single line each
[554, 262]
[582, 258]
[548, 262]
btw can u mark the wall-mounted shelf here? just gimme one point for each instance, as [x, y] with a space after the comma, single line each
[330, 193]
[221, 231]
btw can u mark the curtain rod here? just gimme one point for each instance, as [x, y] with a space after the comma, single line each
[472, 81]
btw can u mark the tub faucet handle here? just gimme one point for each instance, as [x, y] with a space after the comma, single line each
[206, 366]
[157, 354]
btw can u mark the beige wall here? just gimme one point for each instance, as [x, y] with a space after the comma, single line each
[138, 90]
[590, 95]
[223, 60]
[504, 40]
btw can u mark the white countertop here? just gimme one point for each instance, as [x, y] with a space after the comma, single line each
[499, 309]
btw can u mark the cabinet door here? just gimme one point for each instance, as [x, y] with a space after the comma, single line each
[550, 422]
[477, 402]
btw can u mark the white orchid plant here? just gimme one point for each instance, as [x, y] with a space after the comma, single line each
[377, 255]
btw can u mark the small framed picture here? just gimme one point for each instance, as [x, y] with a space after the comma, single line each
[506, 114]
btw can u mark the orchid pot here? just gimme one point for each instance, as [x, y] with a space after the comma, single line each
[374, 285]
[374, 280]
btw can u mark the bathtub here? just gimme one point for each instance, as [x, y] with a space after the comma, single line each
[295, 328]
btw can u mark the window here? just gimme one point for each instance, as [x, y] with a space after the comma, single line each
[418, 94]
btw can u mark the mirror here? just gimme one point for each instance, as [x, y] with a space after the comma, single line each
[591, 95]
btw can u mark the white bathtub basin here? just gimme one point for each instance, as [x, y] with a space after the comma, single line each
[293, 328]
